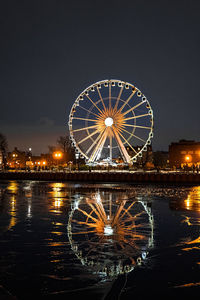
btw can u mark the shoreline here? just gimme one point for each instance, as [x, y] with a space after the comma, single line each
[105, 177]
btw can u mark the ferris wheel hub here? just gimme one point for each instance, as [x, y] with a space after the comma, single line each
[109, 122]
[108, 230]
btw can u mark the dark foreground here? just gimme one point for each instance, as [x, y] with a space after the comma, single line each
[52, 244]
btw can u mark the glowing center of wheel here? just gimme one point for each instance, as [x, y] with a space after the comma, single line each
[108, 230]
[108, 122]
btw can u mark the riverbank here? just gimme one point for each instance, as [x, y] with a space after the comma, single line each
[128, 177]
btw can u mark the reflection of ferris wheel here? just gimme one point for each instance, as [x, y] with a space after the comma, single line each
[111, 118]
[109, 233]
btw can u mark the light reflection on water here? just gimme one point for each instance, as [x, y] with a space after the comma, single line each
[63, 239]
[110, 233]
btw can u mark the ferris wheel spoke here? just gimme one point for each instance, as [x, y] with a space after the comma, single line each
[84, 119]
[84, 223]
[84, 128]
[132, 134]
[89, 111]
[110, 96]
[84, 232]
[87, 137]
[118, 98]
[127, 101]
[127, 142]
[138, 116]
[98, 149]
[95, 141]
[95, 210]
[100, 207]
[93, 103]
[121, 146]
[120, 208]
[101, 211]
[88, 215]
[110, 206]
[87, 219]
[137, 126]
[132, 108]
[110, 147]
[101, 98]
[126, 210]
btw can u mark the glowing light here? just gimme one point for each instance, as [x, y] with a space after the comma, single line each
[193, 200]
[57, 155]
[188, 158]
[58, 203]
[108, 230]
[76, 204]
[98, 198]
[29, 211]
[13, 187]
[108, 122]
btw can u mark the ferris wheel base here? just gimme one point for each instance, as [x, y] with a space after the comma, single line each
[106, 163]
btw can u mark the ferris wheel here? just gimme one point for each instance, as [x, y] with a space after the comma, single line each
[111, 120]
[110, 233]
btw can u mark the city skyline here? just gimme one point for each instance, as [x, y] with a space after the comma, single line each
[51, 51]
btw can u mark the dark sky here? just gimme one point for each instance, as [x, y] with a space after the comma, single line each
[52, 50]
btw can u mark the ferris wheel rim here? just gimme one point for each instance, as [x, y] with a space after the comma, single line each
[109, 83]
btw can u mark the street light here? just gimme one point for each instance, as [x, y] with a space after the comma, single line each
[57, 155]
[188, 158]
[77, 157]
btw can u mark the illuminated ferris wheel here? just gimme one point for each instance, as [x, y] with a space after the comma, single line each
[109, 120]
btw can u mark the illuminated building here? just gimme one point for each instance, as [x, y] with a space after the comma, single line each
[17, 159]
[184, 153]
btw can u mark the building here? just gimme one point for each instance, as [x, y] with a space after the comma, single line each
[184, 153]
[17, 159]
[161, 159]
[145, 159]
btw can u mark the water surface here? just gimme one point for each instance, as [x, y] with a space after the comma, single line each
[103, 241]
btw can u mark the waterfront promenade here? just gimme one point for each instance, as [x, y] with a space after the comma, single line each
[94, 176]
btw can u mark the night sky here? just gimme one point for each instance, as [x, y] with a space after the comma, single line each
[52, 50]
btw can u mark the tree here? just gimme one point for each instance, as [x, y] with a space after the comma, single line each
[52, 149]
[3, 149]
[65, 145]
